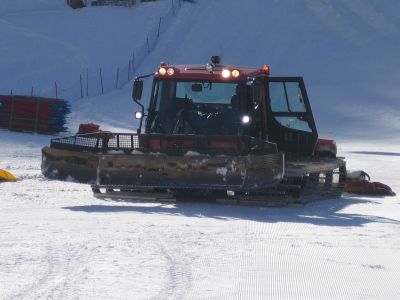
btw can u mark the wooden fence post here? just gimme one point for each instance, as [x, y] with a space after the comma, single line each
[159, 27]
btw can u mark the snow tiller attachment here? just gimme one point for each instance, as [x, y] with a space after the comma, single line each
[211, 131]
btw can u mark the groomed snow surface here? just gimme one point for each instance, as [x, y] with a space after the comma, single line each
[59, 242]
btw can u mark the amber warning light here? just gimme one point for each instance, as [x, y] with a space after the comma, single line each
[265, 69]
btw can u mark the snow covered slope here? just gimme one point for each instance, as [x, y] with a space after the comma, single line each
[347, 52]
[20, 6]
[48, 42]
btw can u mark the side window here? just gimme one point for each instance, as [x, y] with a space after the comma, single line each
[286, 97]
[294, 96]
[277, 97]
[294, 123]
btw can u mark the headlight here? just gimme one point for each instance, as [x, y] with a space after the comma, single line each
[235, 73]
[245, 119]
[170, 71]
[226, 73]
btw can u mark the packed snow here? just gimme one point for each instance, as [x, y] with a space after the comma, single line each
[59, 242]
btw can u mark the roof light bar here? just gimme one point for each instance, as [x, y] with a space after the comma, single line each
[170, 71]
[163, 70]
[235, 73]
[226, 73]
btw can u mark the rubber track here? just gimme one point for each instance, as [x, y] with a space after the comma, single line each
[314, 187]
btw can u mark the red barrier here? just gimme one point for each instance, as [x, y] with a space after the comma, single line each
[33, 114]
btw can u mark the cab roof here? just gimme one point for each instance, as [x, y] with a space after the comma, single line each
[213, 72]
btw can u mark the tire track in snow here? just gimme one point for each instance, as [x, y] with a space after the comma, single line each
[178, 267]
[72, 273]
[52, 267]
[59, 281]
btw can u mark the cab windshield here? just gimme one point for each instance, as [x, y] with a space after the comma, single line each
[195, 107]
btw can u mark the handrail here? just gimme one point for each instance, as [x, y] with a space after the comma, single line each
[106, 142]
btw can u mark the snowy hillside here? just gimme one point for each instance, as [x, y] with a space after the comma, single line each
[48, 43]
[59, 242]
[347, 52]
[24, 6]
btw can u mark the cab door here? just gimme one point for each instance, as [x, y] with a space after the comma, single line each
[290, 122]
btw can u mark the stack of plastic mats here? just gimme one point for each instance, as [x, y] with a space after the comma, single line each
[33, 114]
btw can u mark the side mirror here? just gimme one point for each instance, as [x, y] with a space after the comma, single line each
[137, 90]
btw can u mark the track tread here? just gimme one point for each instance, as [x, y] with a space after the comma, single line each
[312, 187]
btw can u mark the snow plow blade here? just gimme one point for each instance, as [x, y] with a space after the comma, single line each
[193, 172]
[117, 161]
[69, 165]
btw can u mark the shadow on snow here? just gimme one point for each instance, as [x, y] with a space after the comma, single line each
[376, 153]
[322, 213]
